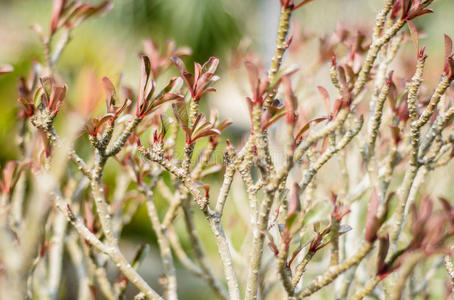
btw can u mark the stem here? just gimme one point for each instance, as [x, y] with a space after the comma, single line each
[57, 142]
[301, 268]
[449, 267]
[284, 24]
[284, 272]
[197, 246]
[123, 138]
[372, 55]
[347, 281]
[334, 259]
[164, 247]
[367, 289]
[110, 250]
[102, 207]
[346, 139]
[75, 254]
[157, 156]
[214, 284]
[203, 162]
[226, 257]
[403, 193]
[325, 131]
[405, 271]
[186, 164]
[56, 255]
[434, 100]
[439, 124]
[332, 273]
[255, 257]
[193, 110]
[375, 121]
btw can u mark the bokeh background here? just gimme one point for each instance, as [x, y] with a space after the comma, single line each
[109, 46]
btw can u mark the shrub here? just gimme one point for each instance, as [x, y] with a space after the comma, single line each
[290, 185]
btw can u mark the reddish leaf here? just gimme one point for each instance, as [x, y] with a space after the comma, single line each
[291, 102]
[6, 183]
[395, 132]
[57, 9]
[203, 76]
[181, 114]
[406, 5]
[254, 78]
[294, 255]
[403, 113]
[446, 205]
[414, 35]
[269, 119]
[392, 96]
[187, 77]
[201, 83]
[273, 248]
[294, 206]
[448, 46]
[303, 2]
[372, 221]
[53, 95]
[449, 58]
[389, 80]
[326, 99]
[76, 12]
[419, 13]
[307, 126]
[211, 65]
[94, 125]
[383, 247]
[27, 108]
[337, 107]
[89, 217]
[110, 92]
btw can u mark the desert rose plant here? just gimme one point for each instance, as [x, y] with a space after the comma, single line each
[327, 185]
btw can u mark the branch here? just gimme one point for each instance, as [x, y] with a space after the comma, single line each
[123, 138]
[113, 252]
[281, 46]
[157, 156]
[164, 247]
[372, 55]
[346, 139]
[332, 273]
[367, 288]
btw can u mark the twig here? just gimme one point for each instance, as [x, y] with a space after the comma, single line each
[309, 174]
[281, 46]
[163, 242]
[123, 138]
[367, 288]
[111, 251]
[405, 271]
[301, 268]
[331, 274]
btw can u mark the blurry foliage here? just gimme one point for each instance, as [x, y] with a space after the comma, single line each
[206, 26]
[203, 25]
